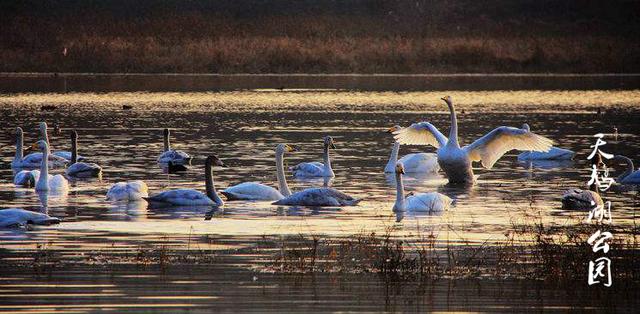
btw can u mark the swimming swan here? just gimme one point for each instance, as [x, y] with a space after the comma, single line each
[44, 134]
[554, 153]
[429, 202]
[45, 182]
[630, 176]
[16, 217]
[418, 163]
[26, 178]
[176, 157]
[80, 169]
[456, 161]
[190, 197]
[316, 169]
[128, 191]
[32, 160]
[259, 192]
[578, 199]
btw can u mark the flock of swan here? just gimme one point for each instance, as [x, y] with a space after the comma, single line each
[453, 160]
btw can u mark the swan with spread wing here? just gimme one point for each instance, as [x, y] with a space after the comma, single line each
[456, 160]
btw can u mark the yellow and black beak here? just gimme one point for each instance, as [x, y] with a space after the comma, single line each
[34, 145]
[292, 148]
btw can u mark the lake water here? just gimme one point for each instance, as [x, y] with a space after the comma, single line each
[244, 127]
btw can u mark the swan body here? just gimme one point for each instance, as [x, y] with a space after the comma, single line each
[418, 163]
[554, 153]
[630, 176]
[176, 157]
[26, 178]
[182, 197]
[45, 182]
[252, 191]
[422, 202]
[456, 160]
[316, 169]
[128, 191]
[33, 160]
[579, 199]
[16, 217]
[80, 169]
[190, 197]
[318, 197]
[255, 191]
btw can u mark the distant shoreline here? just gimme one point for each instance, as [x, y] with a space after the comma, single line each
[49, 82]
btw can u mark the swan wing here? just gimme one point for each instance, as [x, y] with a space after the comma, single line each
[489, 148]
[175, 156]
[83, 169]
[26, 178]
[118, 192]
[138, 189]
[58, 183]
[420, 162]
[554, 153]
[422, 133]
[184, 197]
[308, 169]
[318, 197]
[252, 191]
[432, 202]
[633, 178]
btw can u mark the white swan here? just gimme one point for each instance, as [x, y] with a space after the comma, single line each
[176, 157]
[456, 161]
[316, 169]
[26, 178]
[80, 169]
[429, 202]
[259, 192]
[57, 182]
[418, 163]
[630, 176]
[128, 191]
[189, 197]
[17, 217]
[554, 153]
[318, 197]
[32, 160]
[44, 134]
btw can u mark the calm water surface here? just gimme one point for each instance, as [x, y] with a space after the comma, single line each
[243, 128]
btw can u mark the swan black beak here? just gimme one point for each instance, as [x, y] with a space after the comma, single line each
[333, 146]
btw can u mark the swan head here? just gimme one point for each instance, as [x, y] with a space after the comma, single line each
[73, 134]
[286, 148]
[213, 160]
[394, 129]
[43, 126]
[165, 132]
[41, 145]
[328, 142]
[399, 168]
[526, 127]
[19, 131]
[448, 100]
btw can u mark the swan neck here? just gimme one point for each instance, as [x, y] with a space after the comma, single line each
[43, 181]
[393, 158]
[453, 133]
[327, 161]
[19, 146]
[167, 145]
[283, 187]
[74, 150]
[45, 134]
[399, 192]
[210, 187]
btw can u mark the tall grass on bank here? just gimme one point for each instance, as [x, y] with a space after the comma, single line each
[319, 36]
[332, 55]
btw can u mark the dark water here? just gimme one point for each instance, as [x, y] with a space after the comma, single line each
[243, 128]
